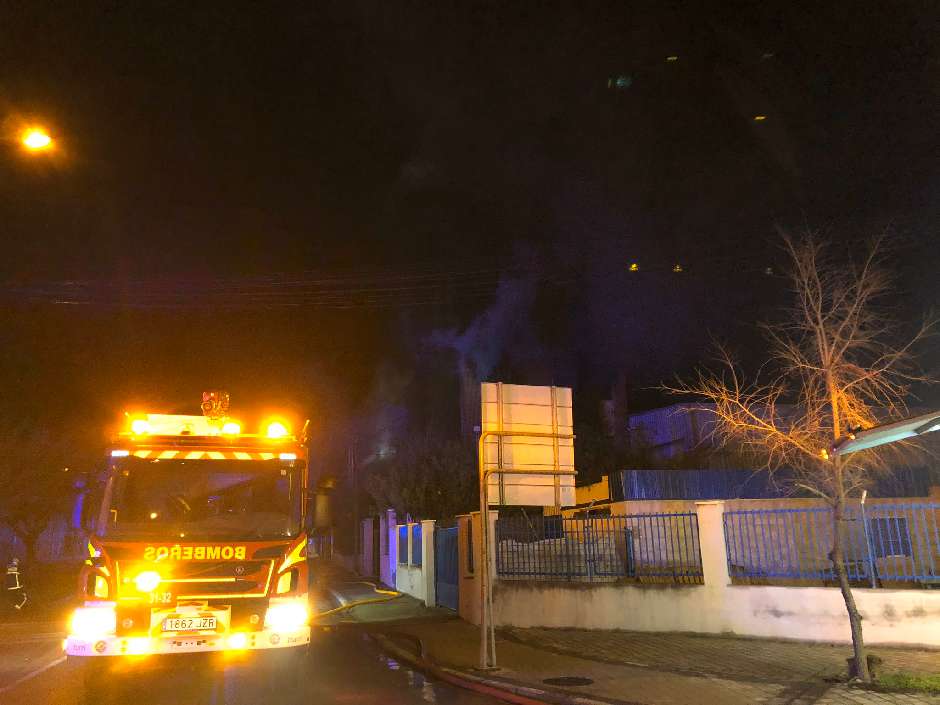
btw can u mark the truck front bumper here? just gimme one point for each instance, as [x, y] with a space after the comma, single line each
[145, 646]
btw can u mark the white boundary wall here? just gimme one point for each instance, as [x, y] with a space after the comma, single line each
[418, 581]
[806, 613]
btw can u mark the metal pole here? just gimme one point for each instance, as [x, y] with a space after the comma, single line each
[354, 478]
[488, 655]
[555, 461]
[484, 524]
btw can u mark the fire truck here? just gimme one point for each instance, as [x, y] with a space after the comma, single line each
[197, 540]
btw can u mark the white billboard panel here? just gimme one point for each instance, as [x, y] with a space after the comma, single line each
[526, 409]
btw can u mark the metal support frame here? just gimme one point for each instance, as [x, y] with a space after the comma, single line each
[488, 651]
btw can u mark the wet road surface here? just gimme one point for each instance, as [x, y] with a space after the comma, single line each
[342, 666]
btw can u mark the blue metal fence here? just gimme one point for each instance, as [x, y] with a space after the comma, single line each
[644, 547]
[713, 483]
[416, 545]
[882, 544]
[692, 484]
[403, 544]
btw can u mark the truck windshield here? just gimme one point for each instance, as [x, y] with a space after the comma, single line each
[246, 499]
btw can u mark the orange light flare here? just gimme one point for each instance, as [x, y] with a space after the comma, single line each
[276, 429]
[36, 139]
[231, 428]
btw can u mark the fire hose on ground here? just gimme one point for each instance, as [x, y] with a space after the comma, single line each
[387, 596]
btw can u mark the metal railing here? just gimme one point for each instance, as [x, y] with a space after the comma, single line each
[642, 547]
[403, 544]
[883, 544]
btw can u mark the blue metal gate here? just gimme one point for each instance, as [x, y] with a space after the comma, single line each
[445, 567]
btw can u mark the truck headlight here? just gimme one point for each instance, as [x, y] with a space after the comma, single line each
[287, 616]
[93, 622]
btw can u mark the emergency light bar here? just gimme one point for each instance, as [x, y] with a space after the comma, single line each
[182, 425]
[213, 423]
[175, 425]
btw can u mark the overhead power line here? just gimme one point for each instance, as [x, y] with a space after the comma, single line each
[369, 289]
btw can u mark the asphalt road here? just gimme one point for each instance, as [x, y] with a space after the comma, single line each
[342, 666]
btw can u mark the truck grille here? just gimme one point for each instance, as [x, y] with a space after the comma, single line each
[196, 579]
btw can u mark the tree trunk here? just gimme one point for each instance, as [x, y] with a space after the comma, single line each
[855, 619]
[838, 519]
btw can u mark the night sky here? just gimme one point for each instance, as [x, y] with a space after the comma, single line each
[297, 201]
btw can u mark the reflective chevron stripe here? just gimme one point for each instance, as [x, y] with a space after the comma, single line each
[203, 455]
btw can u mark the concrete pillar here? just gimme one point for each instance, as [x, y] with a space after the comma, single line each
[428, 562]
[711, 536]
[382, 548]
[469, 591]
[470, 605]
[369, 546]
[365, 546]
[391, 538]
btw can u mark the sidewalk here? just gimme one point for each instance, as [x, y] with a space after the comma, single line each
[754, 660]
[665, 669]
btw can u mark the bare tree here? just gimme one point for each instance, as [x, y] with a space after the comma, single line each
[838, 363]
[427, 477]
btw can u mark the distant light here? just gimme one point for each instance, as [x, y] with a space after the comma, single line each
[153, 515]
[230, 428]
[677, 268]
[287, 456]
[672, 57]
[760, 118]
[769, 271]
[140, 426]
[767, 55]
[634, 267]
[276, 430]
[621, 82]
[36, 139]
[120, 453]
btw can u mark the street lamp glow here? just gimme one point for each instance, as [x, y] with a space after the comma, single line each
[36, 139]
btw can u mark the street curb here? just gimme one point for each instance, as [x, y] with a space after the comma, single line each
[496, 688]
